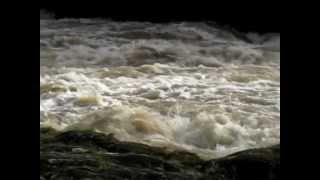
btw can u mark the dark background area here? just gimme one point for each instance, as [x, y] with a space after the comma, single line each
[261, 18]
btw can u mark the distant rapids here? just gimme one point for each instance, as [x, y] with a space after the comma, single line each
[183, 85]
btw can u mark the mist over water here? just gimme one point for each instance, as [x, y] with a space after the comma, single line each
[181, 85]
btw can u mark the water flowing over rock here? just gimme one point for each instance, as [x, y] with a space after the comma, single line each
[181, 85]
[140, 100]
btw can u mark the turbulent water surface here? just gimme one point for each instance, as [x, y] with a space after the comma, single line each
[185, 86]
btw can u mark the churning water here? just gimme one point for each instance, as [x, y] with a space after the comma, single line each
[184, 86]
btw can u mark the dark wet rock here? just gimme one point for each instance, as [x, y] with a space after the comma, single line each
[88, 155]
[254, 164]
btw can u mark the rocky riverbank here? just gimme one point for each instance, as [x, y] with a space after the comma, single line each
[76, 155]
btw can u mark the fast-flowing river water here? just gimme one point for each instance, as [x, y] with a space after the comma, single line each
[186, 86]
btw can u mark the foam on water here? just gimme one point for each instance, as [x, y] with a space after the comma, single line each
[180, 86]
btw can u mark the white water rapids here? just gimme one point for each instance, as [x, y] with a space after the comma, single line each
[180, 86]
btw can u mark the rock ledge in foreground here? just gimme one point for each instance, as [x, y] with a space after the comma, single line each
[80, 155]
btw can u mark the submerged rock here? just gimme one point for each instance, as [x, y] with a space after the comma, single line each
[90, 155]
